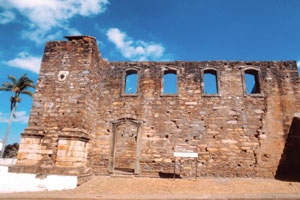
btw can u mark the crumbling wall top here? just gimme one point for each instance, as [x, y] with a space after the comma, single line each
[78, 37]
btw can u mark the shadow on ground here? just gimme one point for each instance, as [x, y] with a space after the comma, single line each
[168, 175]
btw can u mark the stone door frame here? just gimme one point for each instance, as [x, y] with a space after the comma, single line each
[115, 124]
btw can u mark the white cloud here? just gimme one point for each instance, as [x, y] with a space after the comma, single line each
[135, 50]
[73, 31]
[46, 15]
[26, 61]
[6, 17]
[21, 117]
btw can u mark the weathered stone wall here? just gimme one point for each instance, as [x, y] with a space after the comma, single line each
[71, 153]
[234, 134]
[64, 108]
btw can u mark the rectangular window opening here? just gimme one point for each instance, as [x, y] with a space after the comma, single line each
[252, 82]
[131, 82]
[170, 82]
[210, 82]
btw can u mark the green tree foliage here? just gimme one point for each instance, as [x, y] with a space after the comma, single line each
[11, 151]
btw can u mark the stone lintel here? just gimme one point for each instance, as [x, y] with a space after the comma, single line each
[74, 137]
[37, 131]
[33, 132]
[65, 132]
[127, 119]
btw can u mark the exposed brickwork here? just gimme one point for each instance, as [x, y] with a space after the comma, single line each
[83, 120]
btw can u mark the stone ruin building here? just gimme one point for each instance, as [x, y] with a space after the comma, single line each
[84, 122]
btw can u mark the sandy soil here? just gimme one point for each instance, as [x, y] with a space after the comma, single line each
[108, 185]
[101, 186]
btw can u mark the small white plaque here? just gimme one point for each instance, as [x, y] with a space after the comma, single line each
[182, 154]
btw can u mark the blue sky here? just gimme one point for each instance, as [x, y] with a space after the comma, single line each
[144, 30]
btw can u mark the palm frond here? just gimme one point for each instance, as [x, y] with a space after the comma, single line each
[24, 76]
[28, 93]
[31, 85]
[5, 89]
[24, 82]
[7, 84]
[18, 87]
[22, 79]
[13, 79]
[27, 85]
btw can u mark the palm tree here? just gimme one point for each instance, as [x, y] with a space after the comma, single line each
[17, 87]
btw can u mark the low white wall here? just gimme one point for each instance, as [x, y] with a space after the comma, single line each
[8, 161]
[21, 182]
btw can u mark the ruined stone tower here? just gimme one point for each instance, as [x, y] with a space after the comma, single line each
[84, 121]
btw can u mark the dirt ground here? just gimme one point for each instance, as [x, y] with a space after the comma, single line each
[119, 187]
[108, 185]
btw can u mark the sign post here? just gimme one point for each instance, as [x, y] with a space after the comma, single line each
[174, 168]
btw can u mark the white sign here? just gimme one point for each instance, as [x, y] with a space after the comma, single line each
[181, 154]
